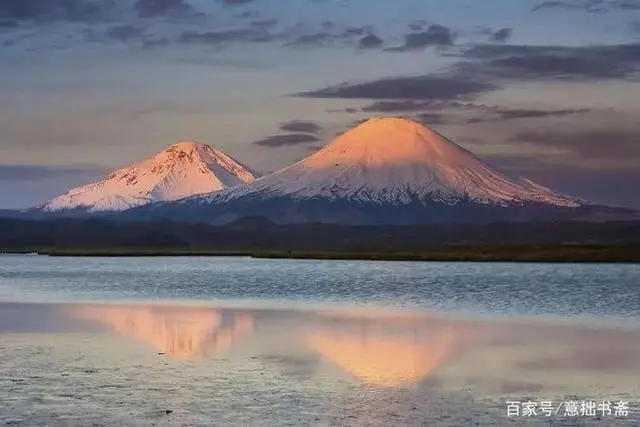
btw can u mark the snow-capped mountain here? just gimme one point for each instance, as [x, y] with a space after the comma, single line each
[181, 170]
[397, 161]
[384, 170]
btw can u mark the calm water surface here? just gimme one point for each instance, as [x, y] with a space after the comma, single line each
[494, 288]
[231, 341]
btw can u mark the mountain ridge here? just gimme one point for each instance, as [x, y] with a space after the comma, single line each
[385, 170]
[393, 160]
[182, 169]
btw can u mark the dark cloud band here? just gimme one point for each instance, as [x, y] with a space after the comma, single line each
[523, 62]
[303, 126]
[434, 35]
[590, 6]
[286, 140]
[428, 87]
[41, 172]
[593, 143]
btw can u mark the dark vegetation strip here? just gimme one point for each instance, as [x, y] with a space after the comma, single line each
[260, 238]
[483, 253]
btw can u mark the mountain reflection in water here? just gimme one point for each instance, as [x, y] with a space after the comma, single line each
[384, 351]
[387, 353]
[97, 364]
[177, 331]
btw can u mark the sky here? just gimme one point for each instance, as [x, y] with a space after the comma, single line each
[548, 90]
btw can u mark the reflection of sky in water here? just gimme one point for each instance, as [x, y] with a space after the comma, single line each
[126, 364]
[577, 290]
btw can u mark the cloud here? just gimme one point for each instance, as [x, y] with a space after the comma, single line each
[434, 35]
[524, 62]
[264, 23]
[286, 140]
[354, 31]
[41, 172]
[417, 25]
[588, 144]
[370, 41]
[236, 2]
[432, 119]
[398, 106]
[303, 126]
[504, 114]
[625, 4]
[349, 110]
[590, 6]
[316, 39]
[456, 112]
[329, 34]
[521, 113]
[427, 87]
[124, 33]
[217, 37]
[411, 105]
[71, 10]
[8, 23]
[440, 112]
[88, 10]
[155, 8]
[608, 187]
[501, 35]
[358, 122]
[587, 5]
[24, 186]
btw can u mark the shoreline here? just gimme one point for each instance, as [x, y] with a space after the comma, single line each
[479, 253]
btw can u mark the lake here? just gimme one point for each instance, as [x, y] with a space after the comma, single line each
[240, 341]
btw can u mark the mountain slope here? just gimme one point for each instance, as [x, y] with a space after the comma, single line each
[385, 171]
[183, 169]
[397, 161]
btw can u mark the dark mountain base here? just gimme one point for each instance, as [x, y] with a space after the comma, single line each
[488, 253]
[561, 241]
[283, 210]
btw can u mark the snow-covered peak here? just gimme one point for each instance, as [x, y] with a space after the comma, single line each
[227, 169]
[187, 146]
[181, 170]
[389, 141]
[397, 161]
